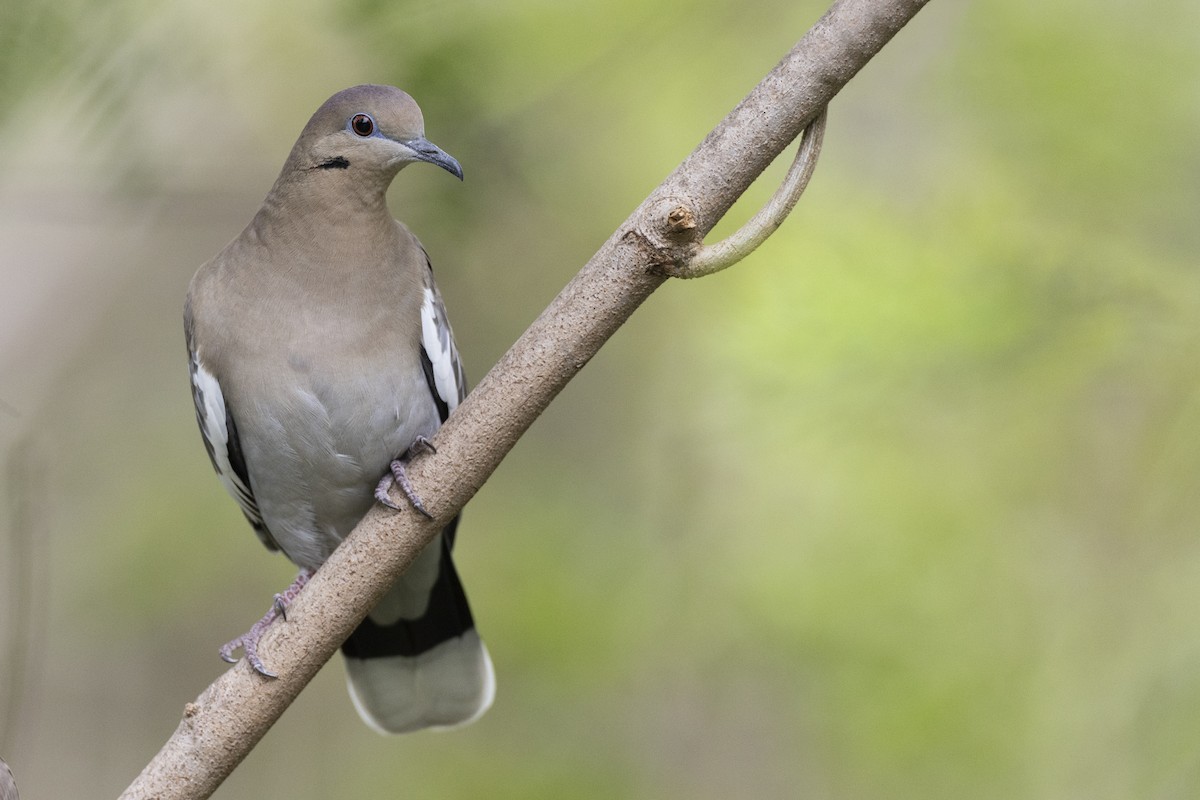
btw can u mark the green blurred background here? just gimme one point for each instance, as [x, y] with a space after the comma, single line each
[904, 506]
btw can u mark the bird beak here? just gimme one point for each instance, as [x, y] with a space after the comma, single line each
[426, 150]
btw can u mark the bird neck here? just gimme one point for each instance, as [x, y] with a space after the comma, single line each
[315, 199]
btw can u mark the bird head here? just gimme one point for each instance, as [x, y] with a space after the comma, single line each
[371, 128]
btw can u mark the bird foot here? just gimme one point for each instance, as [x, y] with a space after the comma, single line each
[396, 476]
[248, 641]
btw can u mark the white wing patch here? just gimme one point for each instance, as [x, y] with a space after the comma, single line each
[438, 342]
[210, 410]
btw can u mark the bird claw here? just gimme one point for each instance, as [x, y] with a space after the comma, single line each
[396, 476]
[381, 491]
[421, 443]
[280, 607]
[248, 641]
[248, 644]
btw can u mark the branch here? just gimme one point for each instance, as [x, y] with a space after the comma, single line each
[659, 239]
[707, 259]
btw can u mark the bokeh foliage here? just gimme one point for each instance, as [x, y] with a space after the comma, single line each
[903, 506]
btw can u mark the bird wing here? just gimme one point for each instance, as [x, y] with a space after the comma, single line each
[219, 431]
[439, 356]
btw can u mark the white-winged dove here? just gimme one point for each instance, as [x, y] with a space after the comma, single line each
[320, 356]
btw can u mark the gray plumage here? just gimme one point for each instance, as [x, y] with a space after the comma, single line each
[320, 352]
[8, 784]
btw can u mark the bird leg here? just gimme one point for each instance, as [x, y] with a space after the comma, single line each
[248, 641]
[396, 476]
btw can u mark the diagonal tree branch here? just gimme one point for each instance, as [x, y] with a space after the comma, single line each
[658, 239]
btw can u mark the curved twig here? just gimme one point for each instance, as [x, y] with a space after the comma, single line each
[708, 259]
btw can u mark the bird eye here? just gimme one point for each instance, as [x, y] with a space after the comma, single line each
[362, 124]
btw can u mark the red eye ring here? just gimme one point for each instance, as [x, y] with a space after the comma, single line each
[362, 124]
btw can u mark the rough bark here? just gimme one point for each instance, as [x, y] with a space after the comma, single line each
[225, 722]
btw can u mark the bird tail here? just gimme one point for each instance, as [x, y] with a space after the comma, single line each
[416, 661]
